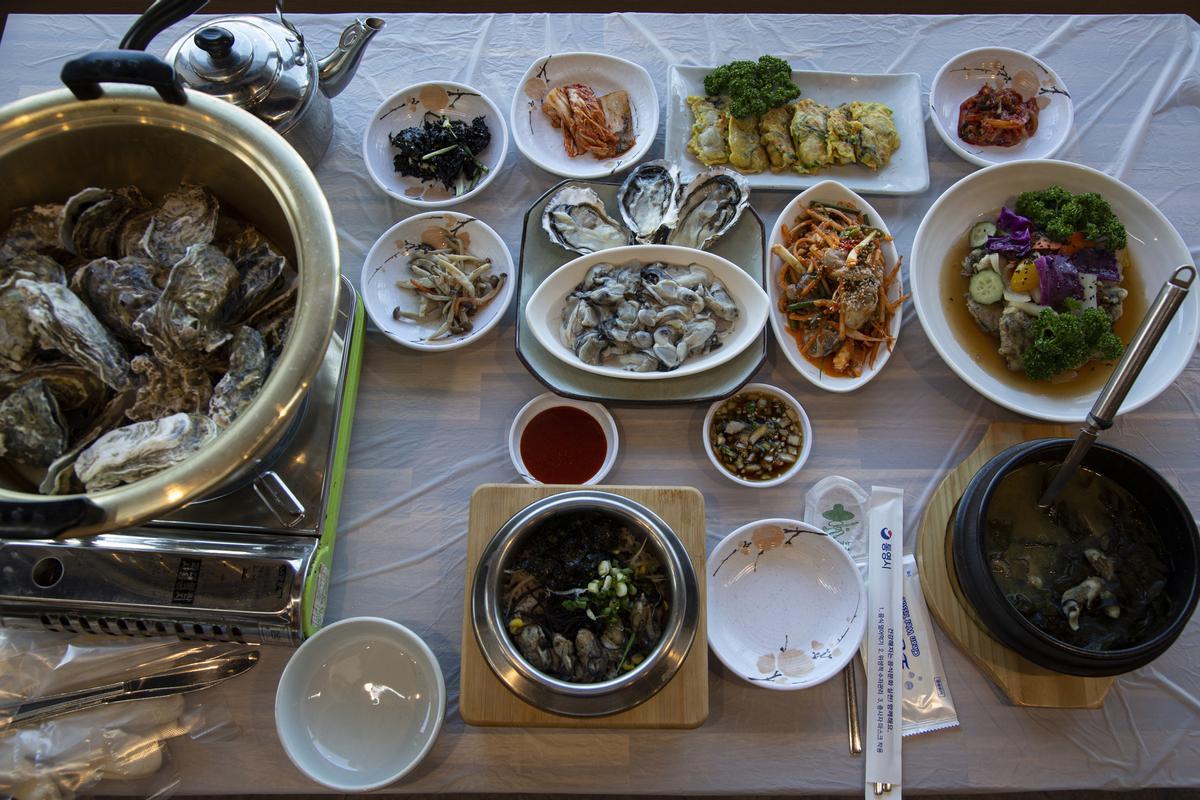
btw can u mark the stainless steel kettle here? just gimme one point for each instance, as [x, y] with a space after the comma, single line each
[263, 66]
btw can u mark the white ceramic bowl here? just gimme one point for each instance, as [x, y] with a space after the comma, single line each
[360, 704]
[543, 312]
[542, 143]
[550, 400]
[786, 605]
[387, 263]
[1154, 247]
[805, 427]
[405, 109]
[966, 73]
[829, 192]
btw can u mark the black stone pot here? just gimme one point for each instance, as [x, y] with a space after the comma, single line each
[1170, 517]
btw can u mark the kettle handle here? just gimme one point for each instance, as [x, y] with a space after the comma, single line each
[45, 520]
[156, 18]
[84, 75]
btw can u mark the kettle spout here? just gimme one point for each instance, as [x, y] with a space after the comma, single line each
[337, 68]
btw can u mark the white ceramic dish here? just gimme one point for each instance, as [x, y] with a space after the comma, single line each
[407, 108]
[542, 143]
[965, 74]
[543, 312]
[786, 605]
[829, 192]
[549, 400]
[387, 263]
[805, 446]
[1155, 248]
[908, 171]
[360, 704]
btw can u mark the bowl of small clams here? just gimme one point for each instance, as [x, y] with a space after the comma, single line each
[168, 277]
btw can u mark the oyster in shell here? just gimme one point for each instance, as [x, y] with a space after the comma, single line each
[73, 209]
[248, 368]
[75, 387]
[711, 204]
[17, 342]
[274, 319]
[32, 431]
[168, 387]
[97, 229]
[119, 291]
[261, 269]
[62, 322]
[133, 230]
[648, 200]
[32, 266]
[187, 315]
[142, 449]
[185, 218]
[33, 230]
[59, 475]
[575, 218]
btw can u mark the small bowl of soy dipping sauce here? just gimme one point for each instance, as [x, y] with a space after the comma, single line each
[559, 440]
[360, 704]
[759, 437]
[1100, 583]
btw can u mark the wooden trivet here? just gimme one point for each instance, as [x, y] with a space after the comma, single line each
[682, 703]
[1022, 681]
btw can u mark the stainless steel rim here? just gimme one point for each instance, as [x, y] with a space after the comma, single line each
[575, 699]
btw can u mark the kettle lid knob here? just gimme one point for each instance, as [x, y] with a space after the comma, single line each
[216, 41]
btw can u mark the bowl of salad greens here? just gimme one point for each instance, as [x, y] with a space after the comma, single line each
[435, 144]
[1031, 277]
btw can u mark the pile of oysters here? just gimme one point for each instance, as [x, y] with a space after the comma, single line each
[131, 333]
[656, 207]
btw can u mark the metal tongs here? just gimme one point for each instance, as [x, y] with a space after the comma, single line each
[1100, 418]
[177, 680]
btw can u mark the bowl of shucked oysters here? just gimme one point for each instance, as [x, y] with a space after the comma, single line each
[647, 311]
[168, 279]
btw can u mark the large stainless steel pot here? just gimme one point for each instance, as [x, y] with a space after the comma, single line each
[52, 145]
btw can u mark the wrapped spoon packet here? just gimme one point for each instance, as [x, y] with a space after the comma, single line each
[840, 507]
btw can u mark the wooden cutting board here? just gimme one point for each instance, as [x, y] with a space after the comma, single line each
[1022, 681]
[682, 703]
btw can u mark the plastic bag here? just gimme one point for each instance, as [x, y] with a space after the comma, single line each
[56, 759]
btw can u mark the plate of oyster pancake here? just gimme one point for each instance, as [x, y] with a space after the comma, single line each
[133, 330]
[865, 131]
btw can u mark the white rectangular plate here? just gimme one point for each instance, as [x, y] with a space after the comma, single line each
[908, 171]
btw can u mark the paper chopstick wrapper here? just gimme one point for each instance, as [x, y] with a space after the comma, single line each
[840, 507]
[885, 552]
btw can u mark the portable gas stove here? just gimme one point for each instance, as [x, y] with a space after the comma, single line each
[250, 564]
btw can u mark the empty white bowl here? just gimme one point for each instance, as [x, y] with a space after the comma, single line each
[542, 143]
[405, 109]
[360, 704]
[805, 427]
[786, 605]
[387, 263]
[828, 192]
[966, 73]
[550, 400]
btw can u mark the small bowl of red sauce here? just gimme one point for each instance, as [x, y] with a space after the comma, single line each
[558, 440]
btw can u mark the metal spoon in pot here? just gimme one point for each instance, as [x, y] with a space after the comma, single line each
[1100, 418]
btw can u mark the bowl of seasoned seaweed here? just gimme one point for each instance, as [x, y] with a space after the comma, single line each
[433, 145]
[585, 603]
[1101, 582]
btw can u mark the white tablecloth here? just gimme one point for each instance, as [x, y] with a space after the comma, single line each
[429, 428]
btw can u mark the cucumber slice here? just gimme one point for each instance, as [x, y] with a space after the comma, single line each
[980, 232]
[986, 287]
